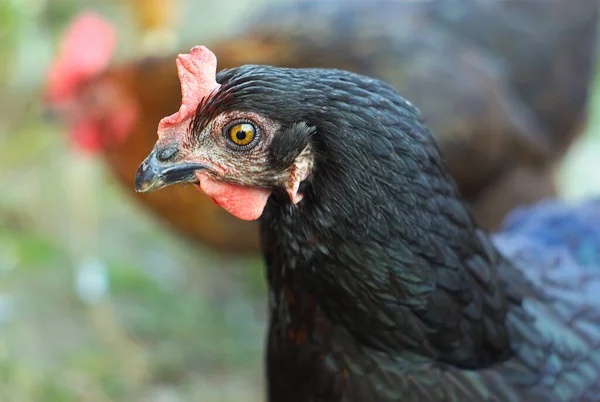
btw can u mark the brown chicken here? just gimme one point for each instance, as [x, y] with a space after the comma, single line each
[503, 84]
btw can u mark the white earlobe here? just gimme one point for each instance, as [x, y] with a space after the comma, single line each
[299, 172]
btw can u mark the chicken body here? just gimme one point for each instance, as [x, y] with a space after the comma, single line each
[503, 85]
[382, 286]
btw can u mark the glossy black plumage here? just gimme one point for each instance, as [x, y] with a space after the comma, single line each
[498, 81]
[502, 84]
[382, 287]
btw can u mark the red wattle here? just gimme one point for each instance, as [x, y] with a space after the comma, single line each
[87, 137]
[242, 202]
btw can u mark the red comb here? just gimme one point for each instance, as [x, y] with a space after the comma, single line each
[85, 51]
[198, 76]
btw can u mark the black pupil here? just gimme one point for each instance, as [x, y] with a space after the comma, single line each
[241, 135]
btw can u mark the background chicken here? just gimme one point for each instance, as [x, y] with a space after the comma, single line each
[382, 286]
[505, 100]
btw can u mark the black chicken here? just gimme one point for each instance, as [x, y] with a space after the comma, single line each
[382, 286]
[503, 85]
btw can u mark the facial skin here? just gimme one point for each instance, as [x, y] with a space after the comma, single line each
[228, 154]
[230, 160]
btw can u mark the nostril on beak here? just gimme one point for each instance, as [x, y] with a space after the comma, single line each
[167, 153]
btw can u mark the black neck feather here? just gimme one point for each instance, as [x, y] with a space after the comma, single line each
[382, 245]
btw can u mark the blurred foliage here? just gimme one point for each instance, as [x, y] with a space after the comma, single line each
[171, 323]
[580, 173]
[174, 323]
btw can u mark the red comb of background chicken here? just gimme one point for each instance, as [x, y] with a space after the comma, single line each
[85, 51]
[198, 76]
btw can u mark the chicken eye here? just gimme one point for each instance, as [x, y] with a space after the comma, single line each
[241, 134]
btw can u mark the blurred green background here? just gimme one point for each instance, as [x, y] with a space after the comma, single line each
[97, 301]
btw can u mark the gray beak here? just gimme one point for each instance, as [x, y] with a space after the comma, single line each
[154, 174]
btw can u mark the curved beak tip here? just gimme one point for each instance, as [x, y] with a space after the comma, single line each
[153, 175]
[146, 177]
